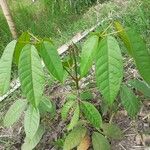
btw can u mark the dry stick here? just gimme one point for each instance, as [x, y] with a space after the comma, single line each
[16, 84]
[9, 19]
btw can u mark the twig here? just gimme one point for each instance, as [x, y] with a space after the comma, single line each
[122, 146]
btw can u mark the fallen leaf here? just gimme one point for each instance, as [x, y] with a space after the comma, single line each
[85, 143]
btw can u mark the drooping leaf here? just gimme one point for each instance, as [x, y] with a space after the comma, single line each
[88, 54]
[65, 109]
[140, 86]
[31, 121]
[136, 46]
[51, 59]
[31, 74]
[112, 131]
[21, 42]
[14, 112]
[109, 68]
[29, 144]
[140, 54]
[124, 36]
[75, 118]
[74, 138]
[5, 67]
[85, 143]
[100, 142]
[129, 101]
[46, 105]
[91, 113]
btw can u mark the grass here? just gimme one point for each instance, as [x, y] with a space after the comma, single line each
[42, 21]
[44, 18]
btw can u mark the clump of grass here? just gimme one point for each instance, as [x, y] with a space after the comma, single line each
[44, 18]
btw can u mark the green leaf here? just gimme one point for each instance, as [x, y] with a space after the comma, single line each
[140, 54]
[112, 131]
[29, 144]
[14, 112]
[21, 42]
[65, 109]
[88, 54]
[31, 121]
[91, 113]
[86, 95]
[51, 59]
[71, 96]
[123, 36]
[140, 86]
[31, 74]
[75, 118]
[109, 69]
[129, 101]
[100, 142]
[136, 46]
[46, 105]
[5, 67]
[74, 138]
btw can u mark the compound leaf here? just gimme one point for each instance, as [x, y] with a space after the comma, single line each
[66, 108]
[31, 121]
[140, 86]
[85, 143]
[51, 59]
[86, 95]
[75, 118]
[14, 112]
[21, 42]
[100, 142]
[31, 74]
[5, 67]
[140, 54]
[29, 144]
[91, 113]
[129, 101]
[136, 46]
[74, 138]
[88, 54]
[109, 68]
[46, 105]
[123, 36]
[112, 131]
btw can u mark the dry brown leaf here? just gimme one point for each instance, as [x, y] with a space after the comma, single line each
[146, 139]
[138, 139]
[85, 143]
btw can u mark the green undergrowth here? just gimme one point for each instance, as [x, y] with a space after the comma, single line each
[61, 27]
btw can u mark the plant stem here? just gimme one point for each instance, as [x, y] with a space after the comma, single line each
[106, 28]
[70, 74]
[76, 69]
[34, 37]
[112, 33]
[111, 118]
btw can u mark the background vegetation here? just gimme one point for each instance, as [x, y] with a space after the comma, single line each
[60, 20]
[44, 18]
